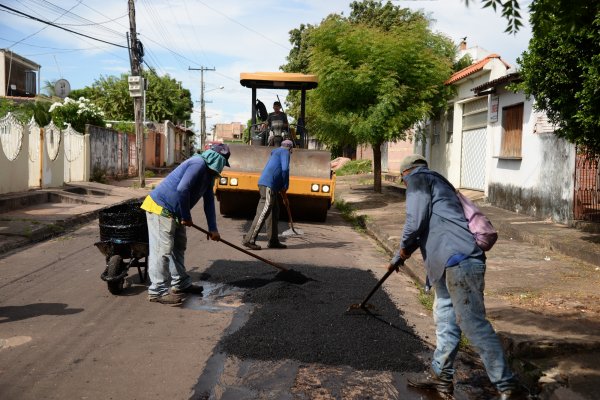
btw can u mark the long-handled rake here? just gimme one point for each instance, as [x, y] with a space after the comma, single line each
[363, 306]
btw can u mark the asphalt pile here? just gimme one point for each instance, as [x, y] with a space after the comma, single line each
[309, 322]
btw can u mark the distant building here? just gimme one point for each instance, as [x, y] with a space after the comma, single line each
[231, 131]
[18, 75]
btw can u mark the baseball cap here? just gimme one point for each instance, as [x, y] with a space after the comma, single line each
[411, 161]
[223, 150]
[287, 143]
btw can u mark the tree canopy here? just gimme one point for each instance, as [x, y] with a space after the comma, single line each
[165, 98]
[561, 67]
[380, 71]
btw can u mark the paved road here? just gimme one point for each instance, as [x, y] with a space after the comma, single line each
[64, 336]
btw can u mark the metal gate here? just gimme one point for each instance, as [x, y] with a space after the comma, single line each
[587, 187]
[472, 166]
[473, 146]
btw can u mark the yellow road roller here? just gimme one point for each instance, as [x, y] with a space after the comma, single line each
[312, 182]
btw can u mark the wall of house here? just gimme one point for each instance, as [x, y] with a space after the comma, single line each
[396, 151]
[169, 143]
[541, 183]
[109, 152]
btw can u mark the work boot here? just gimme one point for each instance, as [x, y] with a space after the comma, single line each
[518, 393]
[431, 382]
[276, 245]
[251, 246]
[169, 299]
[192, 289]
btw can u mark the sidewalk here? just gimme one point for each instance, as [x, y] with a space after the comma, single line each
[542, 287]
[542, 283]
[35, 215]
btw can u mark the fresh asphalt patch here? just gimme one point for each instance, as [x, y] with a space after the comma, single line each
[308, 322]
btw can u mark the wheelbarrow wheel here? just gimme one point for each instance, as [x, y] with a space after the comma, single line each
[114, 268]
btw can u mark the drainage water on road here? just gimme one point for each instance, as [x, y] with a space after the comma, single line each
[216, 297]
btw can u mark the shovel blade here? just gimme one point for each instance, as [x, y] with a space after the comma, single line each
[292, 232]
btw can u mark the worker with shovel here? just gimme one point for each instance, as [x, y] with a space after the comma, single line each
[275, 178]
[168, 212]
[455, 266]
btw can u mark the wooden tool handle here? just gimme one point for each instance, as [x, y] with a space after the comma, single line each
[243, 250]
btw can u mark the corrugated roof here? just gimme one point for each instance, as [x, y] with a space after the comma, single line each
[515, 76]
[471, 69]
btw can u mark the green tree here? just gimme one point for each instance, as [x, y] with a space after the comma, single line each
[510, 11]
[48, 88]
[376, 79]
[561, 67]
[24, 111]
[165, 98]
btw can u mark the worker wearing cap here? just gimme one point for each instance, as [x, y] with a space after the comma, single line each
[168, 212]
[275, 178]
[455, 265]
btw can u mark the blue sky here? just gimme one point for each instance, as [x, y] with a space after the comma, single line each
[231, 36]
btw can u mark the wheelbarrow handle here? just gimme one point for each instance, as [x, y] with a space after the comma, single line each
[243, 250]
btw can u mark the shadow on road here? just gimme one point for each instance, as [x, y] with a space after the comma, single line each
[17, 313]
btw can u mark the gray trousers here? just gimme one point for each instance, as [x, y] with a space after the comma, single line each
[266, 211]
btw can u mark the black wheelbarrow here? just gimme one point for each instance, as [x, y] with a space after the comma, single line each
[124, 243]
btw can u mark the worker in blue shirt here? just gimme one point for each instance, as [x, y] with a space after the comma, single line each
[275, 178]
[168, 212]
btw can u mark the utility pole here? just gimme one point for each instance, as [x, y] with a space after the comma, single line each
[136, 82]
[202, 102]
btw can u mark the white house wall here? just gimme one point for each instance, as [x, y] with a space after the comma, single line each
[541, 183]
[446, 157]
[169, 133]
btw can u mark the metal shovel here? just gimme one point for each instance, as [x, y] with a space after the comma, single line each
[284, 273]
[291, 231]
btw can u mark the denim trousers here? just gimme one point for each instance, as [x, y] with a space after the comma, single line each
[459, 307]
[166, 258]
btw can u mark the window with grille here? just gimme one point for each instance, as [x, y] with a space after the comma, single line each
[512, 131]
[30, 82]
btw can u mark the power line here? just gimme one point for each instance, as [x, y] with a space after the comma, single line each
[244, 26]
[35, 33]
[60, 27]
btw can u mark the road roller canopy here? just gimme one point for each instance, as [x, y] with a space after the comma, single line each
[278, 80]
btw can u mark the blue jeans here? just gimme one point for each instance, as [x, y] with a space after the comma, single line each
[166, 258]
[458, 307]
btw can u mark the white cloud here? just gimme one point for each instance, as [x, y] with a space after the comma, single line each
[232, 36]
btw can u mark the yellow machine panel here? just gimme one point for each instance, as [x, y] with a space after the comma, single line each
[311, 190]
